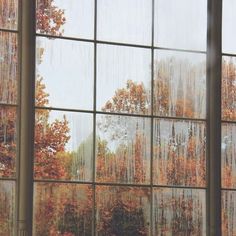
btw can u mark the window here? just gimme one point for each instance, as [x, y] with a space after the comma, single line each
[110, 117]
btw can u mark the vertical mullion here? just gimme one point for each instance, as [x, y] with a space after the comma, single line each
[214, 117]
[25, 181]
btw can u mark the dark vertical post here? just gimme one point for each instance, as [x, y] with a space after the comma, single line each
[214, 116]
[26, 136]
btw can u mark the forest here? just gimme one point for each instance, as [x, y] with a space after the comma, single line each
[122, 152]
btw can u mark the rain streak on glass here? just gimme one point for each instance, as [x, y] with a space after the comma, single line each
[179, 153]
[63, 145]
[122, 211]
[123, 149]
[179, 212]
[62, 209]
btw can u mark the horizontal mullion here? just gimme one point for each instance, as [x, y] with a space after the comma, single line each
[8, 105]
[229, 189]
[115, 184]
[9, 31]
[228, 121]
[7, 179]
[229, 54]
[119, 44]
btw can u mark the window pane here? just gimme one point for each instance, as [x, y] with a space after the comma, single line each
[181, 24]
[229, 88]
[63, 145]
[228, 150]
[125, 21]
[8, 68]
[8, 14]
[7, 208]
[123, 149]
[123, 79]
[179, 153]
[7, 141]
[62, 209]
[65, 73]
[228, 32]
[74, 18]
[228, 213]
[179, 212]
[122, 211]
[180, 84]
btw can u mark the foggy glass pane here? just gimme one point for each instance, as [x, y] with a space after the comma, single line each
[65, 73]
[228, 213]
[122, 211]
[123, 149]
[7, 141]
[8, 14]
[180, 84]
[73, 18]
[228, 152]
[62, 209]
[181, 24]
[63, 145]
[123, 79]
[179, 153]
[125, 21]
[228, 25]
[7, 208]
[228, 90]
[8, 68]
[179, 212]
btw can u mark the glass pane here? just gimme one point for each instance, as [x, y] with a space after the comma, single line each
[74, 18]
[181, 24]
[229, 88]
[228, 32]
[123, 149]
[179, 212]
[125, 21]
[179, 153]
[8, 14]
[62, 209]
[8, 67]
[7, 208]
[123, 79]
[179, 84]
[228, 151]
[63, 145]
[228, 213]
[65, 72]
[7, 141]
[122, 211]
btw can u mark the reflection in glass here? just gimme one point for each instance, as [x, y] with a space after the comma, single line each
[180, 84]
[123, 149]
[228, 152]
[8, 14]
[7, 207]
[7, 141]
[228, 32]
[8, 67]
[179, 153]
[63, 145]
[125, 21]
[181, 24]
[62, 209]
[74, 18]
[229, 88]
[122, 211]
[228, 213]
[65, 68]
[123, 79]
[179, 212]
